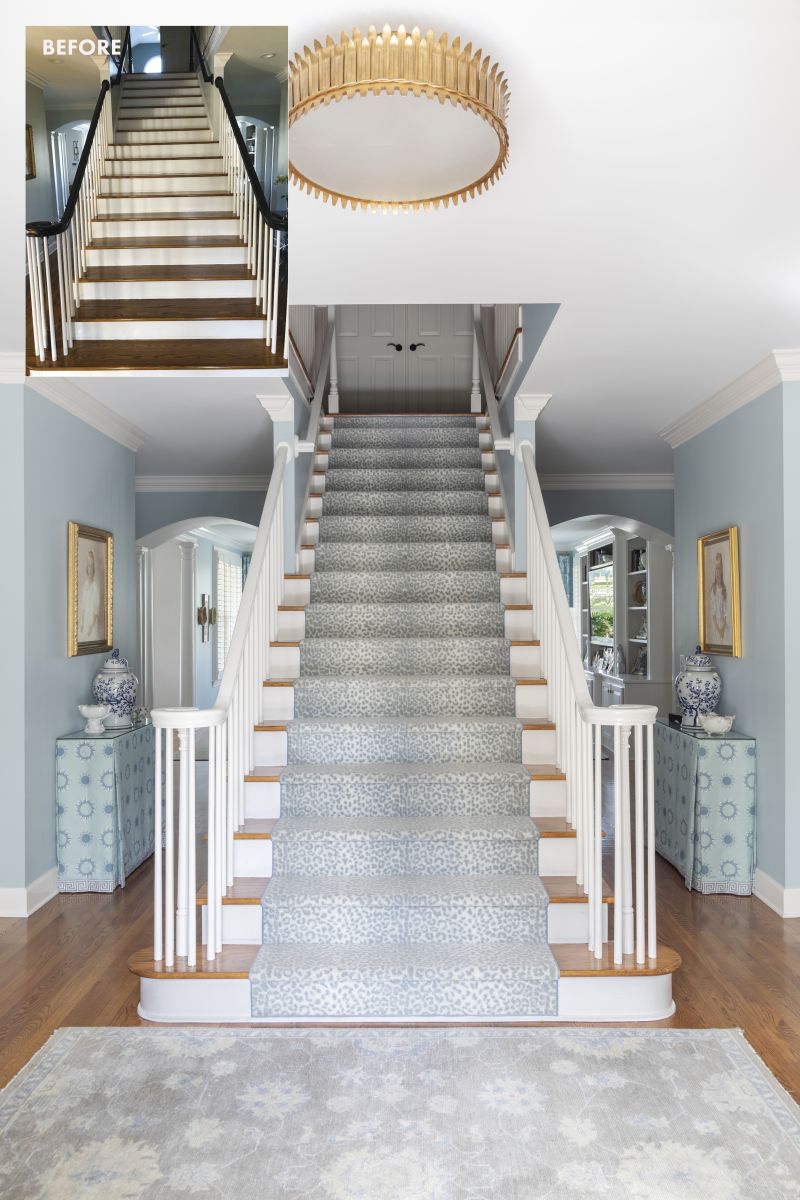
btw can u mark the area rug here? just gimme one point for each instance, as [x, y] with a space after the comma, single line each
[398, 1114]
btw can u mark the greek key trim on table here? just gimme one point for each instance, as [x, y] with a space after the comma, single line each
[706, 808]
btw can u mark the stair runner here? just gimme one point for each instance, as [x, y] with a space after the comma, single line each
[405, 860]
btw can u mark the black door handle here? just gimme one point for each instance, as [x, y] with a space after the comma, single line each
[395, 346]
[416, 345]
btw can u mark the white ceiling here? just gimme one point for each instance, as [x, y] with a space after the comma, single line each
[194, 426]
[69, 79]
[653, 190]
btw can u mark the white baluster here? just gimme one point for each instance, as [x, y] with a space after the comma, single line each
[598, 840]
[618, 885]
[32, 250]
[169, 850]
[652, 944]
[158, 865]
[181, 913]
[625, 833]
[191, 874]
[62, 295]
[638, 752]
[276, 283]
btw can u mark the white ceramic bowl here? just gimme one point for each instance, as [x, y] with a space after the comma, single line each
[715, 723]
[93, 715]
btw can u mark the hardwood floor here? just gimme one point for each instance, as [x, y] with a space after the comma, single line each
[66, 965]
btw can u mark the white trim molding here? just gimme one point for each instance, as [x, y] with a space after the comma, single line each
[528, 405]
[12, 368]
[779, 366]
[24, 901]
[279, 408]
[74, 400]
[201, 483]
[782, 900]
[618, 483]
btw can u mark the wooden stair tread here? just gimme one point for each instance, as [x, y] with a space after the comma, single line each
[541, 724]
[166, 354]
[159, 195]
[518, 607]
[220, 308]
[575, 959]
[255, 829]
[545, 771]
[277, 683]
[290, 644]
[291, 608]
[175, 273]
[246, 889]
[512, 574]
[233, 962]
[179, 242]
[534, 682]
[228, 215]
[529, 642]
[563, 889]
[262, 773]
[271, 727]
[554, 827]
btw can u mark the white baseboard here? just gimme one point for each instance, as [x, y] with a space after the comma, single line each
[23, 901]
[782, 900]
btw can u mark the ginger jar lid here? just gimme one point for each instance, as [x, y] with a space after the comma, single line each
[115, 662]
[698, 660]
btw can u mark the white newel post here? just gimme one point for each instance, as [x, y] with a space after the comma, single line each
[333, 390]
[218, 66]
[475, 394]
[527, 408]
[101, 62]
[144, 623]
[281, 412]
[186, 670]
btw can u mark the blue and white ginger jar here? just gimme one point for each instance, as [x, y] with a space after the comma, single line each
[698, 686]
[115, 685]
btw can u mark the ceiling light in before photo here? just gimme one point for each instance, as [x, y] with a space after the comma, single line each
[423, 123]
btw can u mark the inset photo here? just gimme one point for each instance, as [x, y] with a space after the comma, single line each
[156, 165]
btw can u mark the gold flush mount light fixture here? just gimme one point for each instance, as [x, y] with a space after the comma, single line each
[392, 148]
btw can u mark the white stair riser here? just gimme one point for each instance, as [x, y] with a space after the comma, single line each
[166, 256]
[496, 507]
[499, 532]
[284, 663]
[187, 165]
[141, 141]
[140, 123]
[149, 112]
[538, 745]
[548, 798]
[615, 998]
[513, 591]
[241, 924]
[314, 505]
[262, 800]
[269, 746]
[177, 98]
[580, 998]
[485, 440]
[310, 533]
[159, 331]
[176, 185]
[526, 663]
[297, 591]
[109, 206]
[252, 857]
[519, 625]
[570, 923]
[150, 227]
[488, 460]
[491, 482]
[167, 289]
[291, 626]
[503, 560]
[558, 855]
[277, 704]
[531, 701]
[305, 561]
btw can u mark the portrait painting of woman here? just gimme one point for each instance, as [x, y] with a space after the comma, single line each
[718, 592]
[90, 573]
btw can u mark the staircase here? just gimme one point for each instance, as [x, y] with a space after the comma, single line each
[166, 278]
[402, 851]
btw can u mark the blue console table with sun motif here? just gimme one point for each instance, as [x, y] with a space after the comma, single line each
[104, 807]
[706, 807]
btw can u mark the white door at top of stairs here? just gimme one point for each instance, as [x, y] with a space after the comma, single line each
[375, 376]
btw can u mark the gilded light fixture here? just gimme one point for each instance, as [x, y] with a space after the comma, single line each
[392, 150]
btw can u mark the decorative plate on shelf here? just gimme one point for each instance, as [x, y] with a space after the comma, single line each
[640, 592]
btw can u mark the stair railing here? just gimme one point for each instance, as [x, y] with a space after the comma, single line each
[579, 733]
[230, 724]
[54, 286]
[265, 234]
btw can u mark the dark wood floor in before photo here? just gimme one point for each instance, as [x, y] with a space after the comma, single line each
[67, 965]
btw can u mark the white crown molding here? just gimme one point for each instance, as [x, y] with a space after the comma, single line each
[12, 367]
[37, 80]
[74, 400]
[202, 483]
[528, 405]
[620, 483]
[279, 408]
[779, 366]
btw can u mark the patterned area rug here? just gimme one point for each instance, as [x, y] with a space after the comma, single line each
[398, 1114]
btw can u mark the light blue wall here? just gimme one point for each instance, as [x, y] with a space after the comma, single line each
[732, 474]
[13, 618]
[71, 473]
[39, 198]
[154, 510]
[651, 507]
[791, 565]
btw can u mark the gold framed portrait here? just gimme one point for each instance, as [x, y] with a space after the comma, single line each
[90, 585]
[30, 154]
[720, 616]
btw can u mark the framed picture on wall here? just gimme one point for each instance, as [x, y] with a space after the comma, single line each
[718, 592]
[90, 583]
[30, 155]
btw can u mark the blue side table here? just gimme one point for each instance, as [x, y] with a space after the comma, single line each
[706, 807]
[104, 807]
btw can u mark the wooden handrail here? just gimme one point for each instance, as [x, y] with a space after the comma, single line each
[45, 229]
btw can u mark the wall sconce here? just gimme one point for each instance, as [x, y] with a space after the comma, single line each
[206, 617]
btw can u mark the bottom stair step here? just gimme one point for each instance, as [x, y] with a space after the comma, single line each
[364, 982]
[403, 909]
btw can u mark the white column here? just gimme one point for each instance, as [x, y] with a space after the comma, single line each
[333, 390]
[526, 411]
[101, 62]
[186, 669]
[144, 623]
[281, 412]
[475, 394]
[218, 66]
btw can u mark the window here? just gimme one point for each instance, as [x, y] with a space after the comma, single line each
[228, 595]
